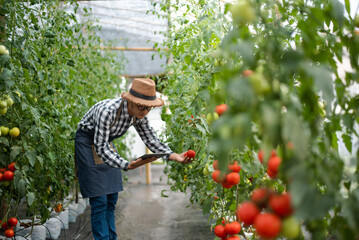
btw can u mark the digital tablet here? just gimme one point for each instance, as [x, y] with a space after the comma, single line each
[157, 155]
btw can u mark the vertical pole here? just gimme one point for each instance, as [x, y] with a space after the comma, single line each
[148, 169]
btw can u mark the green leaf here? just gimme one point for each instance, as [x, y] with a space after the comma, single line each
[347, 141]
[4, 141]
[31, 156]
[5, 78]
[323, 81]
[21, 186]
[201, 128]
[295, 131]
[347, 6]
[14, 152]
[338, 12]
[187, 59]
[207, 205]
[35, 113]
[30, 198]
[4, 59]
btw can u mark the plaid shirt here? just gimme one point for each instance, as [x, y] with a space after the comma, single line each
[99, 120]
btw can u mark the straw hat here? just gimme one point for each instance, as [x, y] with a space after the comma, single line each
[143, 92]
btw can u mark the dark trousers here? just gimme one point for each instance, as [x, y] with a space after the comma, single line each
[103, 216]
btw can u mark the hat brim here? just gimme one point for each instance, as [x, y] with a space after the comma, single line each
[158, 102]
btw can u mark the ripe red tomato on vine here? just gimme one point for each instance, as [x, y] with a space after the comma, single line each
[190, 154]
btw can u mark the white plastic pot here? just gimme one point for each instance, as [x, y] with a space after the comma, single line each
[53, 226]
[81, 206]
[73, 213]
[64, 217]
[38, 231]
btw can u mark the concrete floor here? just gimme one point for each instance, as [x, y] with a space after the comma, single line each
[142, 214]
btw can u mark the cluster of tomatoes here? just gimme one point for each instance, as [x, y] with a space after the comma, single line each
[228, 231]
[273, 163]
[7, 175]
[8, 226]
[228, 178]
[270, 213]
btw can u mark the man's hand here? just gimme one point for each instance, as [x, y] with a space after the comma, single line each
[180, 158]
[139, 162]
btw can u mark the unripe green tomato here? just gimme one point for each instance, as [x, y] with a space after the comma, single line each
[4, 130]
[356, 21]
[242, 12]
[3, 104]
[259, 83]
[3, 49]
[9, 101]
[212, 117]
[206, 171]
[3, 111]
[290, 227]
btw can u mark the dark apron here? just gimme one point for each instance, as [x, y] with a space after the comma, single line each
[95, 180]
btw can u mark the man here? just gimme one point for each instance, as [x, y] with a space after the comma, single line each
[99, 164]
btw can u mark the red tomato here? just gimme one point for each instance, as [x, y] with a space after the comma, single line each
[261, 154]
[233, 238]
[12, 221]
[247, 73]
[0, 177]
[4, 225]
[235, 167]
[260, 196]
[271, 173]
[247, 212]
[273, 166]
[11, 166]
[8, 176]
[281, 204]
[220, 231]
[2, 170]
[218, 177]
[268, 225]
[191, 153]
[233, 178]
[9, 233]
[233, 228]
[274, 163]
[220, 109]
[226, 184]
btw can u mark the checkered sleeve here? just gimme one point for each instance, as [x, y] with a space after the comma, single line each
[150, 138]
[104, 118]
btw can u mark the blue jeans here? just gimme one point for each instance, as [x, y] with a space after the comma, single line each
[103, 217]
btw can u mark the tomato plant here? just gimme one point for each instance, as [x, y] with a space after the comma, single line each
[278, 66]
[51, 71]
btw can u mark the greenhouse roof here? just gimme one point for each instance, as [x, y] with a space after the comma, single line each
[130, 25]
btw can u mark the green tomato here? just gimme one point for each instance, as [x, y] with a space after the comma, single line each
[259, 83]
[3, 111]
[242, 12]
[290, 227]
[3, 49]
[206, 171]
[356, 21]
[4, 130]
[212, 117]
[3, 104]
[9, 101]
